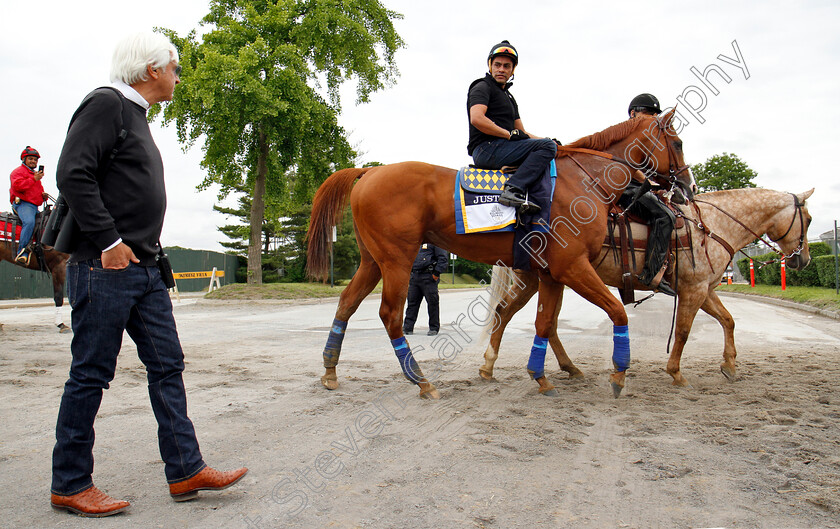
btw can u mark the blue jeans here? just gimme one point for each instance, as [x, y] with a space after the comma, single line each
[531, 155]
[105, 303]
[27, 213]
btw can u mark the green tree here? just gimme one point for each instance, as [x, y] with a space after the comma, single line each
[239, 234]
[723, 171]
[252, 92]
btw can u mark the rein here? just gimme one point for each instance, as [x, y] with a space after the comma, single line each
[671, 176]
[797, 212]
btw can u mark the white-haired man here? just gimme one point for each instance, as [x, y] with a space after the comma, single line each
[111, 174]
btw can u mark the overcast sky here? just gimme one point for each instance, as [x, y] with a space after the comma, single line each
[580, 64]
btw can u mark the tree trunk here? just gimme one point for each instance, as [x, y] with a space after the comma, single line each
[257, 214]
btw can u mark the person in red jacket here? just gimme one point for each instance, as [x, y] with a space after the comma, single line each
[26, 194]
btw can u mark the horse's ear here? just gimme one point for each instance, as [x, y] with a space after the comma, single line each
[804, 196]
[667, 118]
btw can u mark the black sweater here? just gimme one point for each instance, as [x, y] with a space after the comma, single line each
[128, 201]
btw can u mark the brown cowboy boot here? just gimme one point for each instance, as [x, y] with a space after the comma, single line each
[23, 257]
[207, 479]
[90, 503]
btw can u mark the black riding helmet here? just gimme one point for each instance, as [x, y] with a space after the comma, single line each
[644, 102]
[506, 49]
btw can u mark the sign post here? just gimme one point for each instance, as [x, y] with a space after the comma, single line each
[836, 264]
[783, 273]
[334, 239]
[752, 274]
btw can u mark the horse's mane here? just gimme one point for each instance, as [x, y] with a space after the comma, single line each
[600, 141]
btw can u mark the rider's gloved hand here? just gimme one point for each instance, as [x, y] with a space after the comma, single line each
[518, 134]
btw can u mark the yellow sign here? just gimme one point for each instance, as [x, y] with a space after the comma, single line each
[198, 275]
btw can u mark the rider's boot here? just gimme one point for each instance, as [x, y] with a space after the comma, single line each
[515, 197]
[512, 196]
[22, 257]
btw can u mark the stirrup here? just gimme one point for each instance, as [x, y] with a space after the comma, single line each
[528, 207]
[659, 284]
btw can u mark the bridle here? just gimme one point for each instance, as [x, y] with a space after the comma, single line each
[673, 170]
[796, 213]
[670, 177]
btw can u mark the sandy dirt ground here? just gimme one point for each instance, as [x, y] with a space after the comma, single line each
[760, 452]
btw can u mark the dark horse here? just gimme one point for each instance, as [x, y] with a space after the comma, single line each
[398, 207]
[55, 264]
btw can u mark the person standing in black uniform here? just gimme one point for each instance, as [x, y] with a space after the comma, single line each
[430, 263]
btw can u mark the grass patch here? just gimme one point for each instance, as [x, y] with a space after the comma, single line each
[244, 292]
[823, 298]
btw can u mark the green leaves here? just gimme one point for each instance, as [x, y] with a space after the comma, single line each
[723, 171]
[250, 90]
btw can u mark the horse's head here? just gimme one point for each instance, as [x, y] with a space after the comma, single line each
[656, 150]
[790, 231]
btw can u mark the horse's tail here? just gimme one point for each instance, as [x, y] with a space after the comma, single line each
[327, 210]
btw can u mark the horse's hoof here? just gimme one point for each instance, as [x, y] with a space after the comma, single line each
[330, 381]
[681, 382]
[576, 375]
[63, 328]
[432, 394]
[728, 372]
[617, 382]
[550, 392]
[486, 375]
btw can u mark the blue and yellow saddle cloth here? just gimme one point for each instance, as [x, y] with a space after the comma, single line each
[477, 208]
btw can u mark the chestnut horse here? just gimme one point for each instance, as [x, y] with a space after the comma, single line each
[736, 217]
[398, 207]
[56, 265]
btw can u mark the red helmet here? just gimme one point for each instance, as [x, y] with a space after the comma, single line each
[29, 151]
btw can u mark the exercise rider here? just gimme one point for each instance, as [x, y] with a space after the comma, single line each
[651, 209]
[497, 135]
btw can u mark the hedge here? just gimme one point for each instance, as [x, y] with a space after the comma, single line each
[825, 270]
[771, 273]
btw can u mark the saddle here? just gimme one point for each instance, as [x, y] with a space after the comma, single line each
[477, 209]
[624, 245]
[10, 228]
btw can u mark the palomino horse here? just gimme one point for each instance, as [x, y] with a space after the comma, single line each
[736, 218]
[420, 208]
[56, 264]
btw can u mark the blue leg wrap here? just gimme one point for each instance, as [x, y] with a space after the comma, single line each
[333, 348]
[409, 367]
[621, 347]
[536, 362]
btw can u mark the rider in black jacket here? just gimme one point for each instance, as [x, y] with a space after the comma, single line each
[650, 208]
